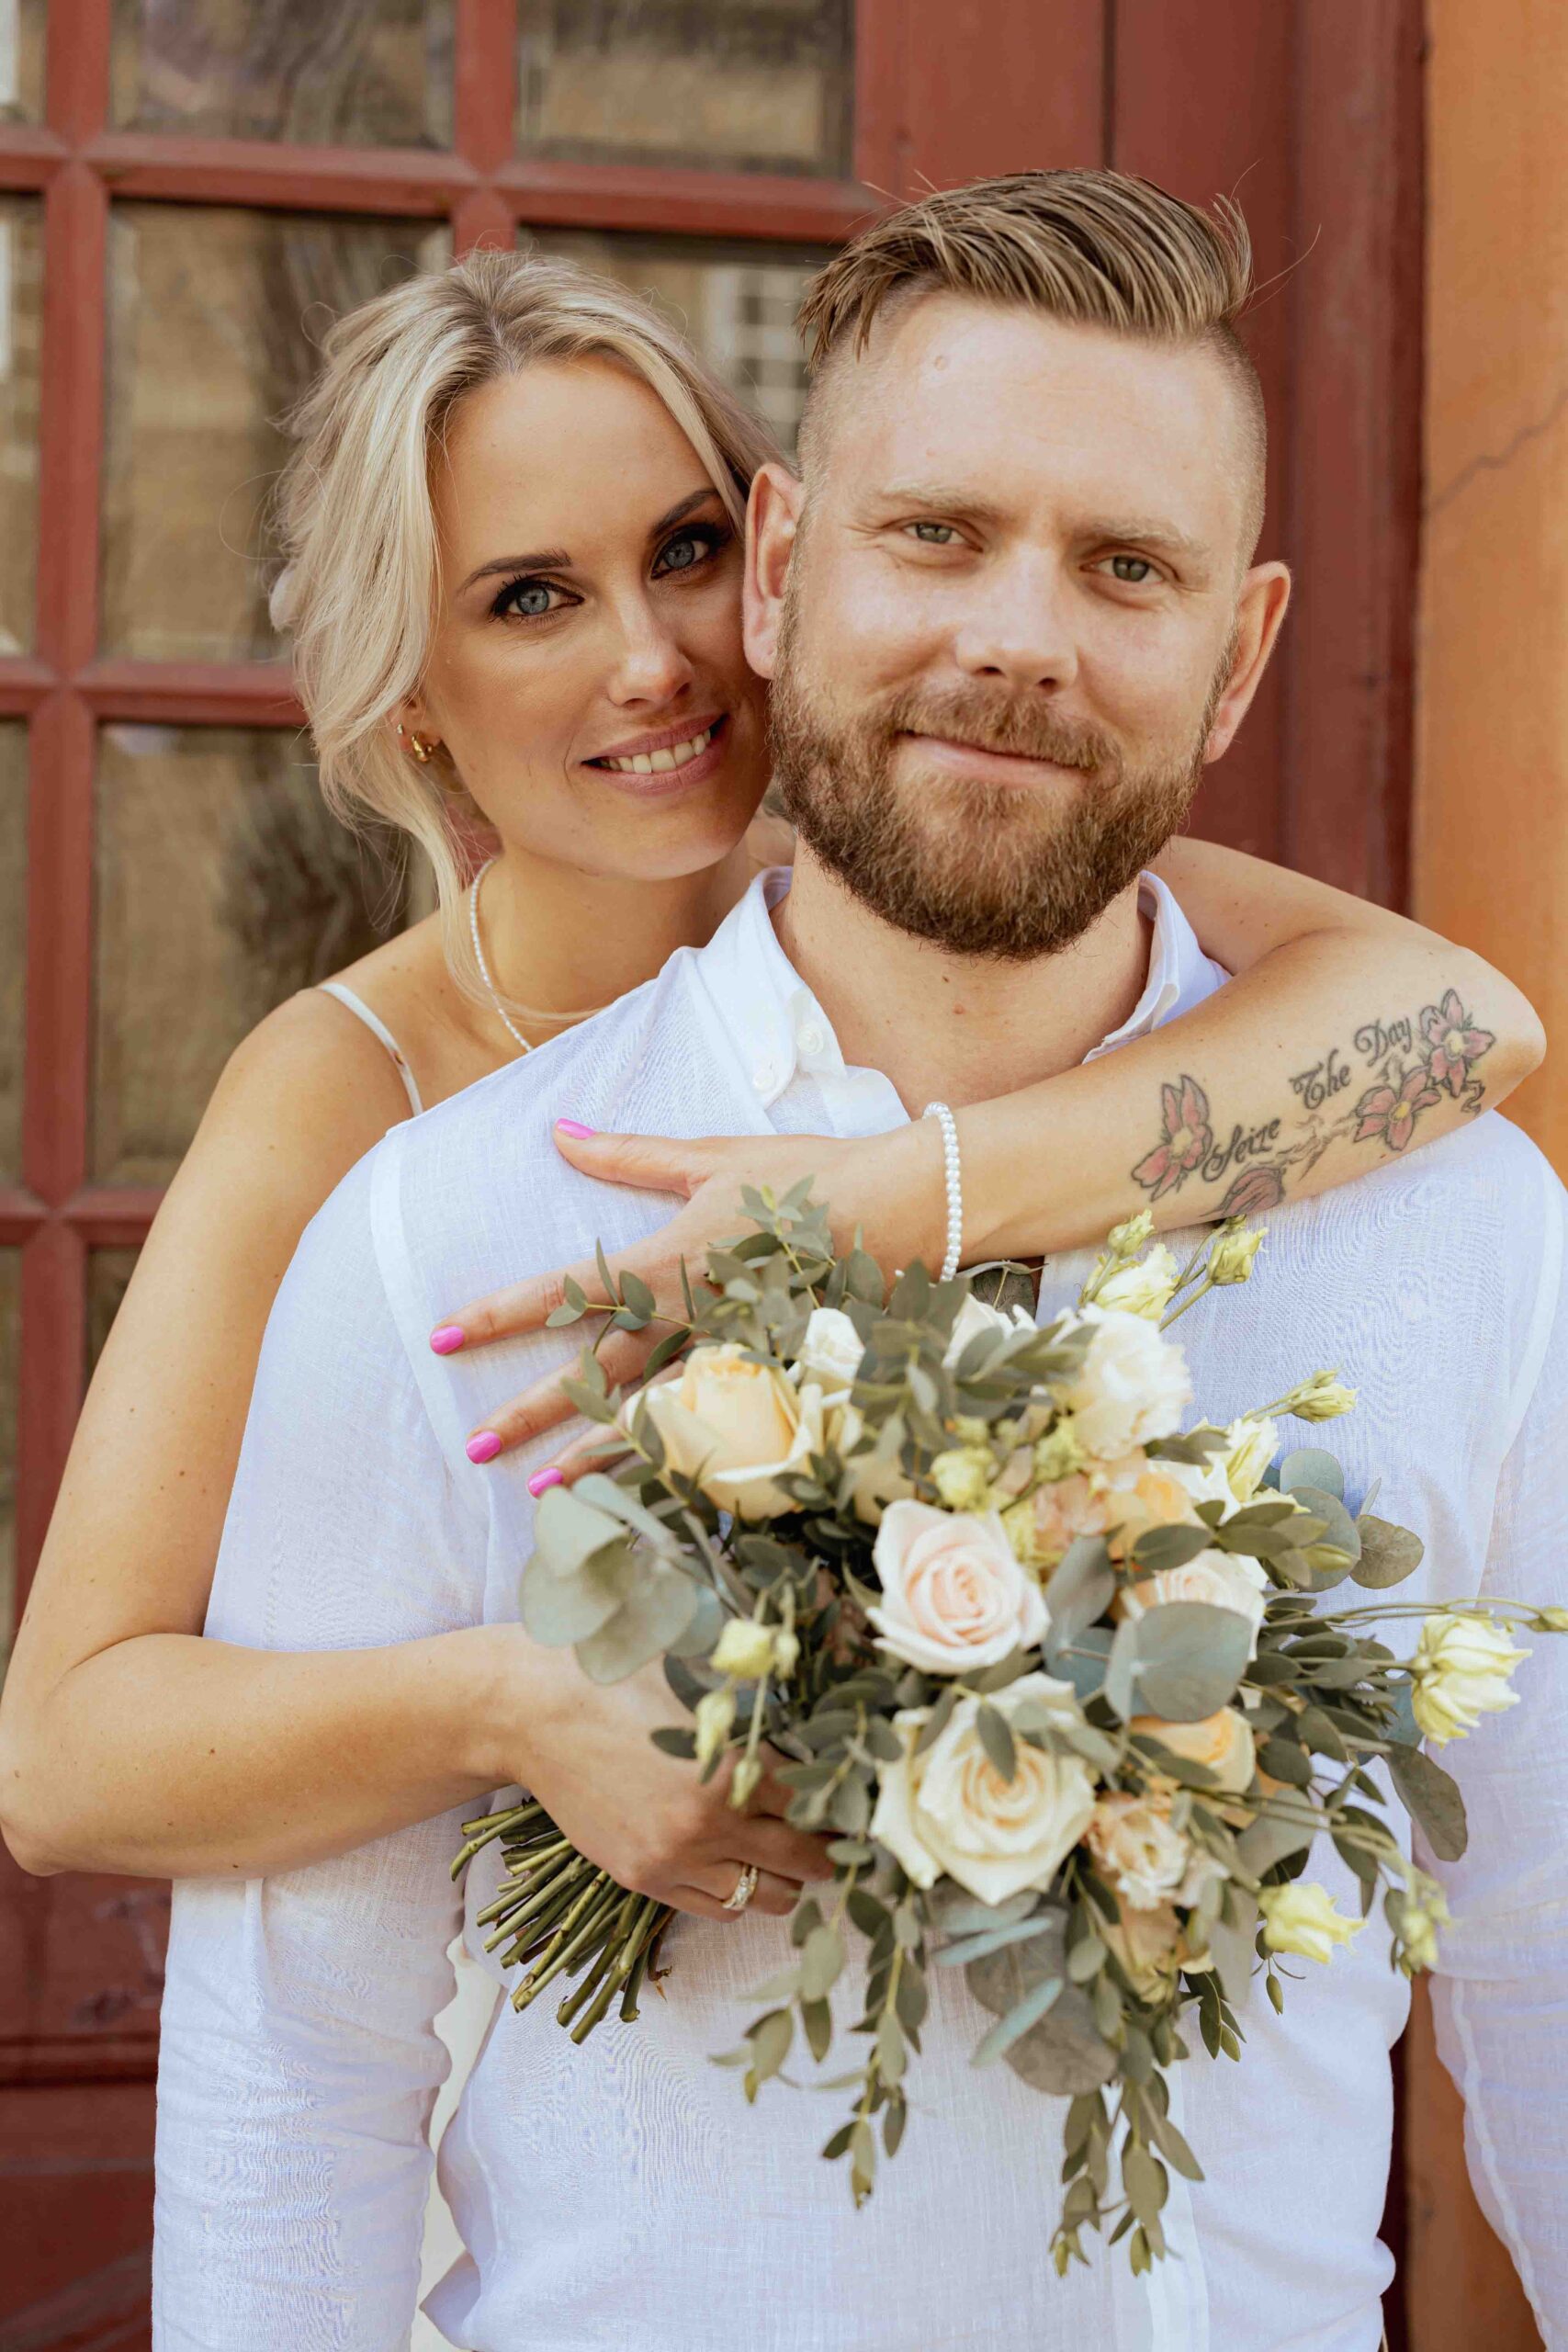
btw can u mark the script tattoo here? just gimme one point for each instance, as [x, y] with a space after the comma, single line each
[1415, 1061]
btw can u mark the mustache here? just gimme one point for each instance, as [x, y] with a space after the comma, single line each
[996, 722]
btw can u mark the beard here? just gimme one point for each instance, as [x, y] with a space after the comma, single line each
[1002, 871]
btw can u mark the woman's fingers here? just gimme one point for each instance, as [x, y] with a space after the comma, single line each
[653, 1163]
[708, 1897]
[544, 1406]
[786, 1852]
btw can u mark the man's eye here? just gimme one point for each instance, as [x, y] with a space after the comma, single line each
[934, 535]
[1133, 569]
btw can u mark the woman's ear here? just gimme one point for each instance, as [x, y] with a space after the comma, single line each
[772, 517]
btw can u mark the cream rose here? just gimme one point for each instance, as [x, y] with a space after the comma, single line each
[1223, 1743]
[1148, 1945]
[1144, 1287]
[954, 1596]
[1459, 1673]
[1141, 1856]
[737, 1427]
[1301, 1919]
[830, 1352]
[950, 1809]
[1131, 1384]
[1220, 1579]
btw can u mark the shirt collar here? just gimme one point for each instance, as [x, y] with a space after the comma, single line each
[779, 1029]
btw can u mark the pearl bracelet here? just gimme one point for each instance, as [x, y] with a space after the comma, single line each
[953, 1174]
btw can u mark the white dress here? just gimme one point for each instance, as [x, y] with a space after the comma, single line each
[463, 2023]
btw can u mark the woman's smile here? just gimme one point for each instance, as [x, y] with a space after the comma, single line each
[673, 760]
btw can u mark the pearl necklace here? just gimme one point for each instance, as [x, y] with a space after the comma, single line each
[560, 1019]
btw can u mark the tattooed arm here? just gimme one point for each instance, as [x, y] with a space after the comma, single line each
[1347, 1034]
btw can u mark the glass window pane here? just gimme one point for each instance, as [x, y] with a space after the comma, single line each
[12, 938]
[736, 301]
[215, 322]
[21, 272]
[223, 885]
[354, 74]
[722, 85]
[108, 1272]
[22, 27]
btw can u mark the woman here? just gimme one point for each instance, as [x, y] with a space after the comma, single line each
[513, 536]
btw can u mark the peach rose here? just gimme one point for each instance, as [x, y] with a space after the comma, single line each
[1138, 1852]
[1222, 1580]
[953, 1595]
[735, 1427]
[1223, 1743]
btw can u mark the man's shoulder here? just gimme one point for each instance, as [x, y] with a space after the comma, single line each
[1485, 1191]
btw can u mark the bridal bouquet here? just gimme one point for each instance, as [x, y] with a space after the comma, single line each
[1056, 1674]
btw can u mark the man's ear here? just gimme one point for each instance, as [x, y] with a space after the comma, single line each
[773, 518]
[1260, 609]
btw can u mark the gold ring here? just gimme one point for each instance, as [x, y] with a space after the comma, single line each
[745, 1887]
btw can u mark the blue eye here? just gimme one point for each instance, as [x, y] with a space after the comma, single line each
[528, 600]
[690, 548]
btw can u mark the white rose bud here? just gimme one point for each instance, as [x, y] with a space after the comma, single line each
[830, 1351]
[1230, 1259]
[1126, 1240]
[715, 1722]
[953, 1595]
[747, 1774]
[1420, 1915]
[1142, 1287]
[1131, 1384]
[975, 1316]
[1301, 1919]
[951, 1812]
[1459, 1672]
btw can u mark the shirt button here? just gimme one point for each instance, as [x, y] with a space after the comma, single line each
[811, 1039]
[763, 1077]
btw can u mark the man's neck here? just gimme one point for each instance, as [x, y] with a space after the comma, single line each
[957, 1028]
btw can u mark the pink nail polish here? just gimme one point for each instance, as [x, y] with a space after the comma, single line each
[543, 1480]
[575, 1128]
[448, 1339]
[484, 1448]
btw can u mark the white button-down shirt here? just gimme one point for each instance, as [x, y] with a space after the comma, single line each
[624, 2194]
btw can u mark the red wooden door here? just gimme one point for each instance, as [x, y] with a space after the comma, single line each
[185, 193]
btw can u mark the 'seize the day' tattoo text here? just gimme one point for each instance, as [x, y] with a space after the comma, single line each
[1413, 1064]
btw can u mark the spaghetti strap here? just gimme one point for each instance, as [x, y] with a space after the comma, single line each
[378, 1028]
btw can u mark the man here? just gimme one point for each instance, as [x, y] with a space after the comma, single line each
[1009, 612]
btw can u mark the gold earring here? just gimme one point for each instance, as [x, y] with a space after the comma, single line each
[423, 751]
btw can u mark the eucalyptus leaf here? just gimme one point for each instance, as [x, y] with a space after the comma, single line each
[1035, 2004]
[997, 1740]
[1271, 1838]
[821, 1963]
[1063, 2052]
[1389, 1553]
[1310, 1465]
[568, 1530]
[1189, 1658]
[706, 1623]
[1169, 1547]
[1083, 1662]
[1432, 1798]
[559, 1609]
[1081, 1589]
[653, 1616]
[1230, 1948]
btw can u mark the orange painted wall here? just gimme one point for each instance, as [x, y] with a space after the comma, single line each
[1491, 845]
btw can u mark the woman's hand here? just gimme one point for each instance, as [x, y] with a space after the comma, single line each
[585, 1750]
[888, 1186]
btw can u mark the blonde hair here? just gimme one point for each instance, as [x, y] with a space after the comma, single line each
[1092, 248]
[357, 592]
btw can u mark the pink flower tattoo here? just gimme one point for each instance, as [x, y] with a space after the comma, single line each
[1389, 1113]
[1455, 1043]
[1186, 1142]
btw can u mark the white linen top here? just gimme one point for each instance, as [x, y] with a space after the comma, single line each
[624, 2194]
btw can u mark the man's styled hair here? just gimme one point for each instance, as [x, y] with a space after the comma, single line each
[1091, 248]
